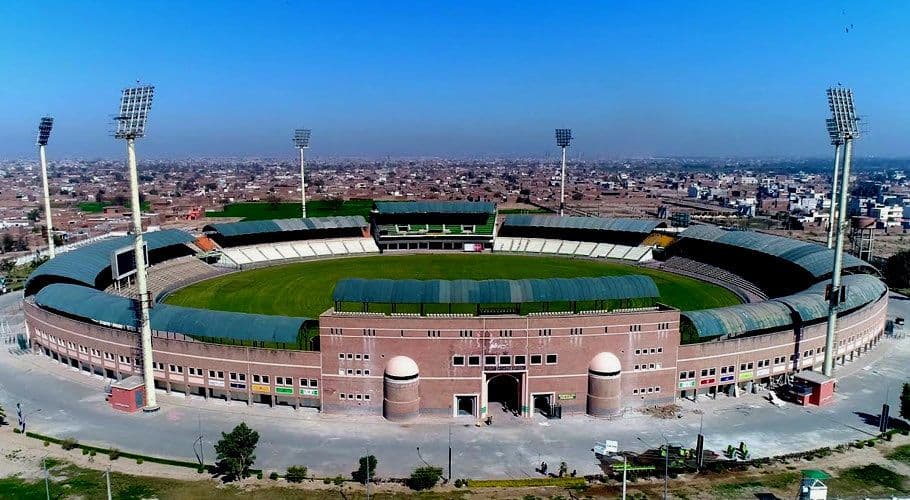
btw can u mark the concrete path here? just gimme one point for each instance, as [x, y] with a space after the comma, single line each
[61, 401]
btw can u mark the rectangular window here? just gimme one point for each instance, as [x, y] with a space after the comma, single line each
[340, 355]
[519, 360]
[704, 373]
[458, 360]
[536, 359]
[551, 359]
[682, 375]
[505, 360]
[366, 357]
[366, 397]
[489, 360]
[473, 360]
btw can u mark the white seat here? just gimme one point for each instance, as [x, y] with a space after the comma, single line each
[636, 253]
[568, 247]
[320, 248]
[270, 253]
[287, 251]
[602, 250]
[618, 252]
[533, 245]
[336, 247]
[352, 246]
[369, 245]
[551, 246]
[499, 245]
[253, 254]
[236, 256]
[585, 248]
[303, 249]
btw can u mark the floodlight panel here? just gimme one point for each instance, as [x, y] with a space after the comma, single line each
[843, 113]
[302, 138]
[44, 130]
[563, 137]
[833, 132]
[135, 104]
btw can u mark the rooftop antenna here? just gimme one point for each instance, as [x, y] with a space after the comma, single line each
[302, 143]
[44, 133]
[135, 103]
[563, 137]
[842, 126]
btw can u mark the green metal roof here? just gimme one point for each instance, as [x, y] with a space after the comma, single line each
[435, 207]
[643, 226]
[284, 225]
[737, 320]
[83, 265]
[815, 259]
[92, 304]
[810, 305]
[494, 291]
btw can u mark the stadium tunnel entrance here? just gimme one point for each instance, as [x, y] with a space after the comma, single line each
[505, 390]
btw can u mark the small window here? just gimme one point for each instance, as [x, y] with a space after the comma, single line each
[682, 375]
[657, 389]
[536, 359]
[350, 371]
[358, 372]
[551, 359]
[635, 368]
[505, 360]
[651, 367]
[660, 350]
[458, 360]
[366, 357]
[313, 382]
[519, 360]
[357, 356]
[341, 395]
[350, 355]
[634, 391]
[473, 360]
[366, 372]
[637, 352]
[650, 389]
[366, 397]
[489, 360]
[340, 355]
[359, 397]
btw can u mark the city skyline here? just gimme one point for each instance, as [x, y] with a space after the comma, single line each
[709, 80]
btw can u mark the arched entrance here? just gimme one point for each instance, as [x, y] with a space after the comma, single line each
[505, 389]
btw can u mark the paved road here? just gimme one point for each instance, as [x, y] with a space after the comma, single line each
[72, 403]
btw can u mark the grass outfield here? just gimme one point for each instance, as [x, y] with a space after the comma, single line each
[290, 210]
[305, 288]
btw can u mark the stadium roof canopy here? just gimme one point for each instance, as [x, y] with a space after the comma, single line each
[494, 291]
[642, 226]
[810, 305]
[243, 228]
[92, 304]
[434, 207]
[737, 320]
[815, 259]
[83, 265]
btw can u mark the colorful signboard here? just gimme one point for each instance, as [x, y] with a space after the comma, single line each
[285, 390]
[688, 384]
[261, 388]
[745, 376]
[566, 396]
[309, 392]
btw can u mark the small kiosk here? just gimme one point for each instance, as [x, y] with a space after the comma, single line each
[812, 388]
[128, 394]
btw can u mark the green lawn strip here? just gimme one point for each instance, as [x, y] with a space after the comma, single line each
[900, 454]
[562, 482]
[305, 288]
[872, 479]
[93, 207]
[290, 210]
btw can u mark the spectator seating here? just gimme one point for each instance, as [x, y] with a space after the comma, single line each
[170, 275]
[295, 250]
[707, 272]
[577, 248]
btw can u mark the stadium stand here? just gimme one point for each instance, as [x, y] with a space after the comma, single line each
[267, 253]
[577, 248]
[628, 232]
[233, 234]
[170, 275]
[747, 290]
[433, 225]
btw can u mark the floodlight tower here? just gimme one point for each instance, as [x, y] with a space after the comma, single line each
[44, 133]
[836, 141]
[302, 143]
[135, 103]
[845, 124]
[563, 137]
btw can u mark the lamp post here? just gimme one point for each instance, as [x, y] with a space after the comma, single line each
[563, 137]
[44, 133]
[837, 142]
[302, 143]
[135, 103]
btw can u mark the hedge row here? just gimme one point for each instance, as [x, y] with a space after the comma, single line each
[135, 456]
[562, 482]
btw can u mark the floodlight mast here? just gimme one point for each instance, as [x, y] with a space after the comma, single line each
[135, 104]
[563, 137]
[44, 133]
[302, 142]
[844, 124]
[837, 142]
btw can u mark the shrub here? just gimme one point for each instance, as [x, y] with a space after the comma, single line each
[92, 453]
[259, 475]
[139, 461]
[296, 473]
[200, 469]
[69, 443]
[113, 454]
[424, 478]
[17, 431]
[85, 451]
[274, 476]
[326, 481]
[338, 480]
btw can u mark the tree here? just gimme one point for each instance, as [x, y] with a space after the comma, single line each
[7, 242]
[2, 417]
[424, 478]
[296, 473]
[367, 469]
[274, 201]
[897, 270]
[235, 451]
[33, 215]
[905, 401]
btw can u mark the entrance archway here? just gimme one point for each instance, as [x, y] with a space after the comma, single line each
[505, 389]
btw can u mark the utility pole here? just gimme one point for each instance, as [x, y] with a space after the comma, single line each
[302, 142]
[47, 487]
[625, 466]
[107, 478]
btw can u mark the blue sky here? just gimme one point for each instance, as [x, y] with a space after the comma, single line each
[711, 78]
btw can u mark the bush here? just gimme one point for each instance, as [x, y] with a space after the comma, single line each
[85, 451]
[338, 481]
[458, 483]
[259, 475]
[296, 473]
[139, 461]
[326, 481]
[17, 431]
[69, 443]
[200, 469]
[113, 454]
[424, 478]
[366, 469]
[92, 453]
[274, 476]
